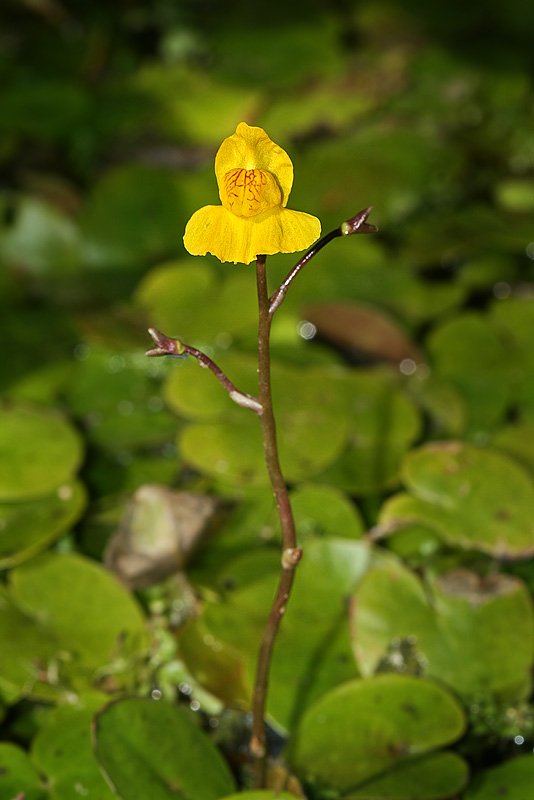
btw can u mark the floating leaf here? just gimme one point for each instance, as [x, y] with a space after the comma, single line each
[62, 750]
[261, 794]
[441, 401]
[473, 634]
[39, 451]
[41, 240]
[196, 394]
[513, 780]
[468, 353]
[515, 195]
[89, 613]
[312, 652]
[188, 300]
[321, 510]
[517, 441]
[27, 651]
[363, 728]
[18, 776]
[194, 105]
[384, 423]
[312, 424]
[432, 777]
[130, 218]
[118, 402]
[153, 749]
[512, 318]
[27, 528]
[474, 498]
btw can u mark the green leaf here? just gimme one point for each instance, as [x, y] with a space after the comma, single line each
[196, 394]
[515, 195]
[321, 510]
[261, 794]
[27, 528]
[92, 616]
[41, 241]
[118, 402]
[39, 451]
[131, 218]
[312, 652]
[517, 441]
[62, 750]
[432, 777]
[384, 423]
[151, 749]
[468, 353]
[26, 650]
[473, 498]
[363, 728]
[473, 634]
[195, 105]
[18, 776]
[189, 300]
[513, 780]
[312, 424]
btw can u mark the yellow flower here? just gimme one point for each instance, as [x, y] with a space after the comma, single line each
[255, 177]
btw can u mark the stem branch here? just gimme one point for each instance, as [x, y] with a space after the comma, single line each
[358, 224]
[174, 347]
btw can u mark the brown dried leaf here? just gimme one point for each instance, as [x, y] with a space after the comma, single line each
[362, 329]
[159, 531]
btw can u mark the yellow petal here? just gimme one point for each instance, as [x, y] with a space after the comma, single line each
[215, 230]
[250, 148]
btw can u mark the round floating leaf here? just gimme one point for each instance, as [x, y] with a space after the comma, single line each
[261, 794]
[27, 649]
[517, 441]
[131, 218]
[92, 616]
[62, 750]
[152, 749]
[432, 777]
[41, 240]
[312, 429]
[171, 294]
[39, 451]
[18, 776]
[384, 423]
[27, 528]
[472, 497]
[442, 402]
[190, 301]
[312, 652]
[118, 402]
[321, 510]
[473, 634]
[513, 779]
[516, 195]
[363, 728]
[228, 451]
[196, 393]
[512, 318]
[468, 352]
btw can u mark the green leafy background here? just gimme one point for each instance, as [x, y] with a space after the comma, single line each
[403, 383]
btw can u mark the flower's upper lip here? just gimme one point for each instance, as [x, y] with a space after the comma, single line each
[250, 148]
